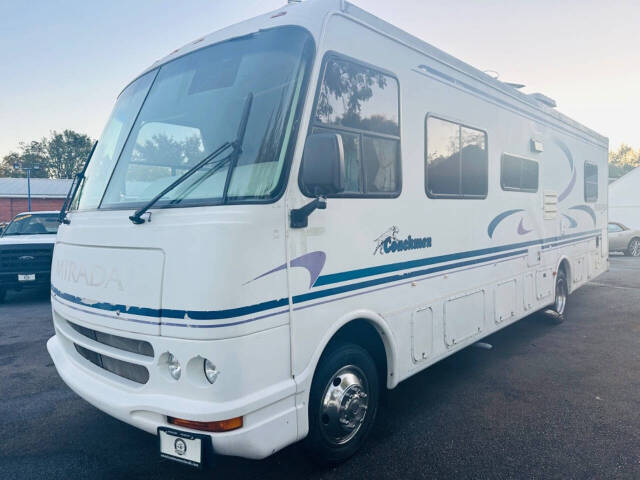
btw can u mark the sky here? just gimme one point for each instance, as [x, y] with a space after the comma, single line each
[63, 63]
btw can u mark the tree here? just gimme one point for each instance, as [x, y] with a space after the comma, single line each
[61, 155]
[623, 160]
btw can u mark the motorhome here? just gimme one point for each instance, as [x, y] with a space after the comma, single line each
[290, 215]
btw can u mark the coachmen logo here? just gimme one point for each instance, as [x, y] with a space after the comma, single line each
[91, 276]
[389, 242]
[26, 258]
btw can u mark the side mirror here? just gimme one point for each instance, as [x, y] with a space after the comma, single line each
[323, 165]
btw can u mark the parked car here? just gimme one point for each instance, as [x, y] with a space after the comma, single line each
[26, 248]
[624, 239]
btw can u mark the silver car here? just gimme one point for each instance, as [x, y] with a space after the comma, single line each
[623, 239]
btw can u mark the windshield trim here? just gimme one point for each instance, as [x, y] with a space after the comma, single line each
[289, 141]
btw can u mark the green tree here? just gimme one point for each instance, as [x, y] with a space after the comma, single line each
[61, 155]
[623, 160]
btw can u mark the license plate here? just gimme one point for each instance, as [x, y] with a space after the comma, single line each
[30, 277]
[183, 447]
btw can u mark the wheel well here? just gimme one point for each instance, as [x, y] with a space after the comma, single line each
[564, 267]
[362, 333]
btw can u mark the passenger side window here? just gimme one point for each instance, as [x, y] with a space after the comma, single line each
[457, 162]
[613, 228]
[590, 182]
[361, 104]
[518, 174]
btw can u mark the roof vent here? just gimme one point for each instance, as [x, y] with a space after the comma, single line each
[515, 85]
[544, 99]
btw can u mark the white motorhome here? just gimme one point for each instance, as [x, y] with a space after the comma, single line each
[289, 215]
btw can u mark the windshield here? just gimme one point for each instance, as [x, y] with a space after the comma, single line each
[33, 224]
[171, 118]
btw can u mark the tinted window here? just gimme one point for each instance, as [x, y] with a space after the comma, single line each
[456, 160]
[359, 97]
[614, 228]
[361, 105]
[519, 174]
[590, 182]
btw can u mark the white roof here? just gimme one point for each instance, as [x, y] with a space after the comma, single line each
[40, 187]
[312, 13]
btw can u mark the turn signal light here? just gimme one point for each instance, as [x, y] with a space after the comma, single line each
[220, 426]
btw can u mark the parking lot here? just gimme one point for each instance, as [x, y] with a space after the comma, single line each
[547, 401]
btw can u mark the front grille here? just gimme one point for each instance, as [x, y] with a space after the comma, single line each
[26, 258]
[131, 371]
[128, 344]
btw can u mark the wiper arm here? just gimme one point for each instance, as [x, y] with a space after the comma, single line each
[137, 216]
[77, 180]
[236, 145]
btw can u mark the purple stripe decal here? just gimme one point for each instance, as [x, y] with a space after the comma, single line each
[567, 190]
[521, 229]
[313, 262]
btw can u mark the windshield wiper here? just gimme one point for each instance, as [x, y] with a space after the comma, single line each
[236, 146]
[77, 180]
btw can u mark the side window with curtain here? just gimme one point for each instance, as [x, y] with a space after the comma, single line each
[361, 104]
[457, 162]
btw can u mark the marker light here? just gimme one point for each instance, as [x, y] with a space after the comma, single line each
[210, 371]
[174, 367]
[219, 426]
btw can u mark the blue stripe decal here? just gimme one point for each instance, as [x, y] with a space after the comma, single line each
[392, 267]
[259, 307]
[170, 313]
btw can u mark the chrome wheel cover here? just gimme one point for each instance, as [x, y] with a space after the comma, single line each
[561, 297]
[344, 405]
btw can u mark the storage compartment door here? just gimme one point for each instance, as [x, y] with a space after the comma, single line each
[421, 334]
[463, 317]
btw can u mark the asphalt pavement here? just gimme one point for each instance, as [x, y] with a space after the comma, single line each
[547, 401]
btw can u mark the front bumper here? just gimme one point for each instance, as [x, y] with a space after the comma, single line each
[268, 407]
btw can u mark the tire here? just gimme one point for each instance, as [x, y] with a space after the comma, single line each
[343, 403]
[559, 306]
[3, 295]
[633, 249]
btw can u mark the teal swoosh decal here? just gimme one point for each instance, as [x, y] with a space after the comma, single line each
[588, 210]
[494, 223]
[572, 221]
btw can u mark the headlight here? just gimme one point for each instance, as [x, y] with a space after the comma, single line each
[210, 371]
[174, 367]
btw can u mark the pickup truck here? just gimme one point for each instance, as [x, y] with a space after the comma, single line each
[26, 248]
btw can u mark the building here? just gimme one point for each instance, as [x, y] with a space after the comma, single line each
[46, 194]
[624, 199]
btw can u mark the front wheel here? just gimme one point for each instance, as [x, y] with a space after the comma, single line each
[633, 250]
[342, 404]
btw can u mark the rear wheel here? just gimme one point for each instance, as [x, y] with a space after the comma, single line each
[562, 293]
[633, 250]
[342, 403]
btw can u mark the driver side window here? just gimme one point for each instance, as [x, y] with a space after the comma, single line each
[361, 104]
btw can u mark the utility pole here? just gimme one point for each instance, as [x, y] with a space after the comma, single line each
[28, 170]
